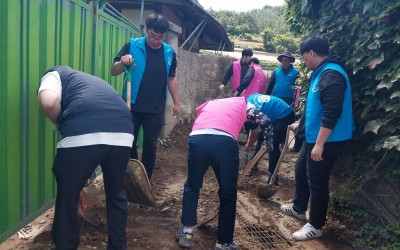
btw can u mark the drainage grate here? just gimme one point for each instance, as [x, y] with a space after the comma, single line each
[268, 236]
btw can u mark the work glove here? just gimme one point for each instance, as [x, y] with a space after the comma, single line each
[221, 87]
[236, 93]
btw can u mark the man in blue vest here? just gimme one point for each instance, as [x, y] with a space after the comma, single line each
[283, 78]
[96, 129]
[281, 116]
[328, 125]
[281, 85]
[153, 75]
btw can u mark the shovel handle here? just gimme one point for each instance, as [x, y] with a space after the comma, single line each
[283, 153]
[129, 82]
[249, 165]
[128, 94]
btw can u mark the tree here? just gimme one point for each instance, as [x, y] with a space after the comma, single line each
[268, 40]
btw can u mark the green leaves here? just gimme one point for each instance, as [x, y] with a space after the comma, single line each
[389, 143]
[372, 126]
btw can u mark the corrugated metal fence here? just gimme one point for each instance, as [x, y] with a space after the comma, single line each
[35, 35]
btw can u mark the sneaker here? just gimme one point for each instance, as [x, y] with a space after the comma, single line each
[185, 240]
[288, 209]
[231, 246]
[307, 232]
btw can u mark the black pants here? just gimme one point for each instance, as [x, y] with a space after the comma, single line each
[298, 142]
[312, 181]
[280, 128]
[72, 168]
[151, 124]
[222, 154]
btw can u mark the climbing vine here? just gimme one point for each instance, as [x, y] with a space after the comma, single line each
[366, 35]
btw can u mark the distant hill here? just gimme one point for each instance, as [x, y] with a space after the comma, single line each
[250, 25]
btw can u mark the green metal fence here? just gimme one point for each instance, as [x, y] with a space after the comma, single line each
[35, 35]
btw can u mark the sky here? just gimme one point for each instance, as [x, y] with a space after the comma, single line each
[238, 5]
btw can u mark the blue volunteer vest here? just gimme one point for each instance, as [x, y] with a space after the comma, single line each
[273, 107]
[284, 82]
[138, 51]
[344, 126]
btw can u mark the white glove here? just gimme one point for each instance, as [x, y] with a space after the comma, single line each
[221, 87]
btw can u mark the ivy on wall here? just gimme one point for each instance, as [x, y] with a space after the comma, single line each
[366, 35]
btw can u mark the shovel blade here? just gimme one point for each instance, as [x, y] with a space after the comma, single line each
[137, 185]
[266, 191]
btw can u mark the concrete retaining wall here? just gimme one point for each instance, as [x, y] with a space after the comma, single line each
[198, 79]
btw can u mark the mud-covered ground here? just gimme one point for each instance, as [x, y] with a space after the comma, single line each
[259, 223]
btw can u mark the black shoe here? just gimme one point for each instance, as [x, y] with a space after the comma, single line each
[254, 169]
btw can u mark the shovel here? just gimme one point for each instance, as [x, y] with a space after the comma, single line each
[137, 184]
[245, 171]
[266, 191]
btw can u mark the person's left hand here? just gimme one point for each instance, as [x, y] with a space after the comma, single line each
[235, 93]
[316, 152]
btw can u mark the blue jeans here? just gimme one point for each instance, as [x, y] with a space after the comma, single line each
[222, 154]
[312, 181]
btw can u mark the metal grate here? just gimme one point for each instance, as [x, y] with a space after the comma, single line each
[268, 236]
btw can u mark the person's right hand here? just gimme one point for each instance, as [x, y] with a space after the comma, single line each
[294, 127]
[221, 87]
[126, 59]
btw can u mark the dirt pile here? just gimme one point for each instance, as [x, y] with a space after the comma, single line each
[259, 223]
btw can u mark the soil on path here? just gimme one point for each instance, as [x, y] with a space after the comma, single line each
[259, 223]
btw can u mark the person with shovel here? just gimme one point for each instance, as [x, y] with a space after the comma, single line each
[154, 73]
[281, 116]
[96, 129]
[327, 124]
[213, 142]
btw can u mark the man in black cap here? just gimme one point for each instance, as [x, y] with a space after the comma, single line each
[283, 78]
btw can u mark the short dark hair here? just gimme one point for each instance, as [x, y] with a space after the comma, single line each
[253, 60]
[157, 22]
[247, 52]
[315, 43]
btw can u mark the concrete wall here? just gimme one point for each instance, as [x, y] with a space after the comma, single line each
[198, 78]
